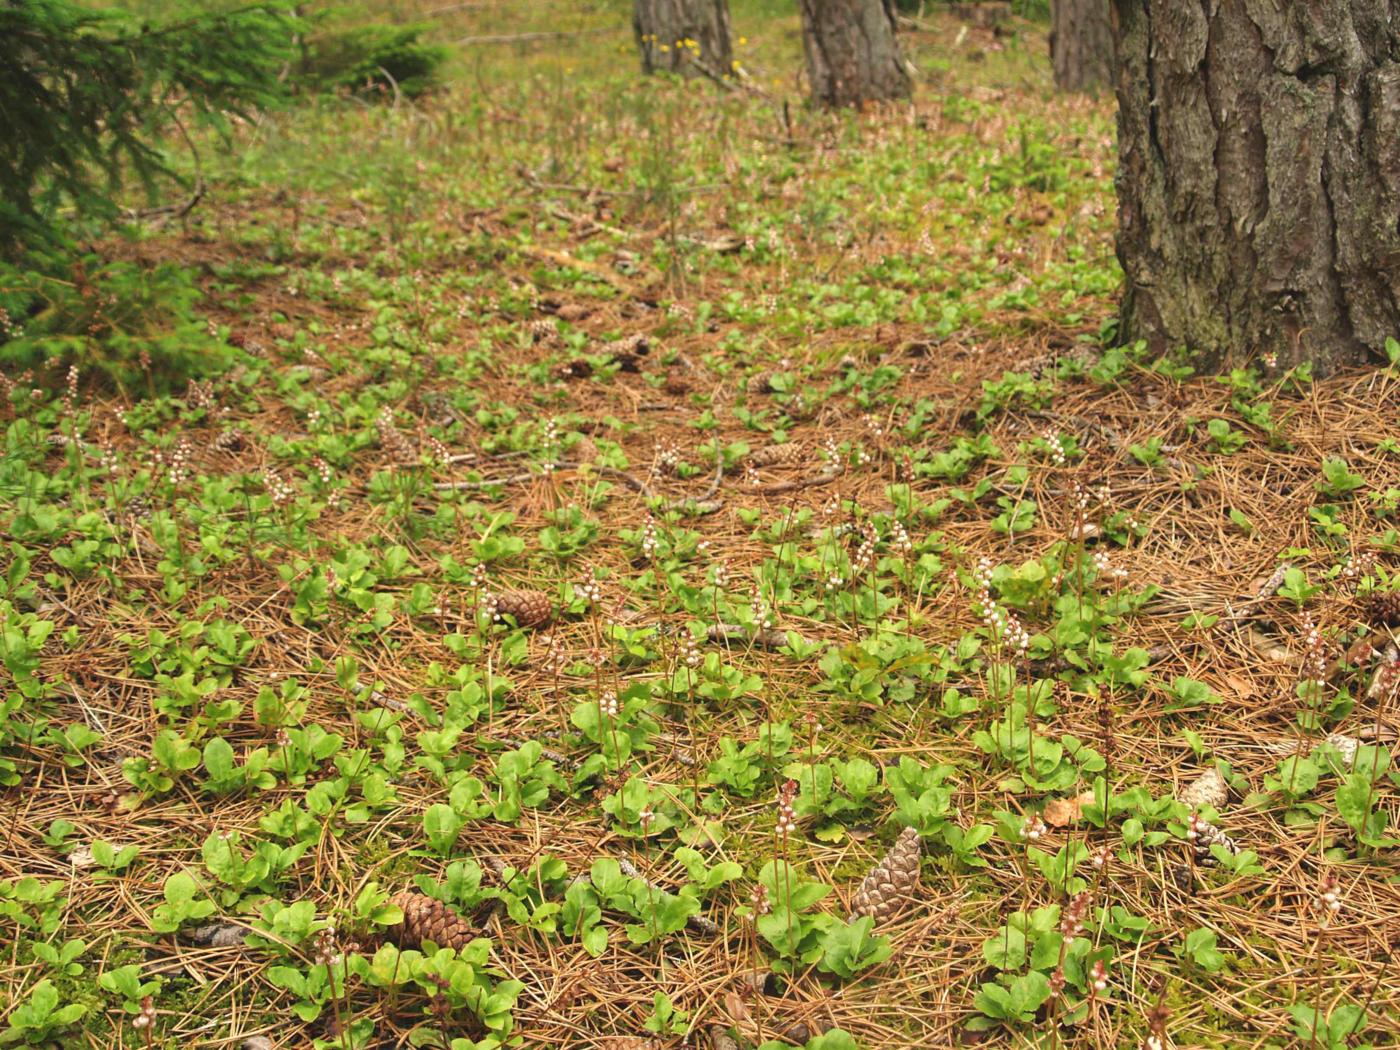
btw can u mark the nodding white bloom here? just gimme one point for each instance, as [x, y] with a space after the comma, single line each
[327, 952]
[865, 553]
[1033, 829]
[759, 901]
[479, 575]
[690, 653]
[899, 536]
[589, 591]
[70, 393]
[721, 573]
[1056, 447]
[437, 451]
[667, 457]
[1098, 976]
[177, 462]
[649, 539]
[834, 581]
[1015, 637]
[1079, 496]
[1386, 680]
[1329, 899]
[607, 703]
[279, 489]
[1072, 921]
[1358, 565]
[759, 608]
[982, 579]
[1105, 569]
[787, 821]
[1315, 657]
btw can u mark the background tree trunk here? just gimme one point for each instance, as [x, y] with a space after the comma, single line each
[1259, 178]
[1081, 45]
[851, 52]
[689, 37]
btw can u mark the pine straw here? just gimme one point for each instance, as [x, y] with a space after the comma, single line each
[1201, 563]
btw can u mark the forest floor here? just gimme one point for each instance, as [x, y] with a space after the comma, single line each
[797, 422]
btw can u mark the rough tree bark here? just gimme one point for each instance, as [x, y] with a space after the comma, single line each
[1081, 45]
[852, 56]
[1259, 178]
[690, 37]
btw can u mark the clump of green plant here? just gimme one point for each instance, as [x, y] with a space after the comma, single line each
[372, 59]
[137, 327]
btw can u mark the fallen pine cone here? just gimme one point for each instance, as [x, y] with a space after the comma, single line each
[720, 1039]
[1382, 609]
[777, 455]
[891, 882]
[427, 919]
[1207, 835]
[1208, 789]
[529, 609]
[760, 383]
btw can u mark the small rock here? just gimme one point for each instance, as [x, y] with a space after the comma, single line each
[219, 935]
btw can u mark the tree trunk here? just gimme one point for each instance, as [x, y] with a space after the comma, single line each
[689, 37]
[1081, 45]
[852, 57]
[1259, 178]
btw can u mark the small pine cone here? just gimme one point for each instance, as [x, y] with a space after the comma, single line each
[1208, 789]
[720, 1039]
[762, 383]
[777, 455]
[627, 351]
[1383, 609]
[675, 384]
[542, 332]
[1346, 745]
[1207, 835]
[529, 609]
[573, 312]
[892, 881]
[630, 1042]
[428, 919]
[230, 440]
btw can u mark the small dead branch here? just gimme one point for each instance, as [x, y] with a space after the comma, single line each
[530, 38]
[766, 638]
[777, 487]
